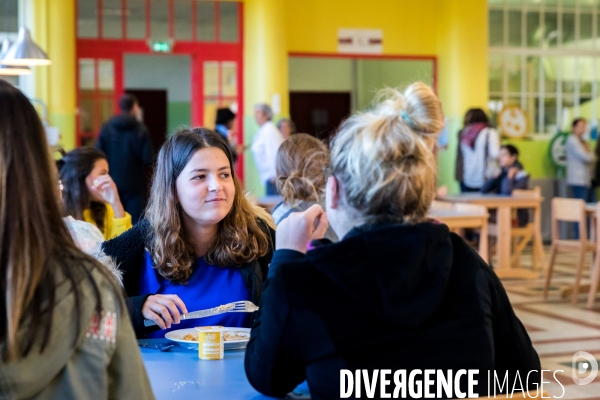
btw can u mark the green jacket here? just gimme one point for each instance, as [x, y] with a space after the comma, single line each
[102, 362]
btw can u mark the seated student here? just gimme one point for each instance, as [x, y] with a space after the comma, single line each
[202, 245]
[57, 301]
[511, 176]
[301, 161]
[398, 291]
[89, 193]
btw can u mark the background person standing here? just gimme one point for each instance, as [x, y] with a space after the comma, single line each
[477, 152]
[265, 145]
[580, 160]
[128, 149]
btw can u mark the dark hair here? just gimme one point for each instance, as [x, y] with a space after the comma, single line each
[126, 102]
[73, 168]
[37, 253]
[512, 150]
[240, 238]
[578, 120]
[475, 115]
[224, 116]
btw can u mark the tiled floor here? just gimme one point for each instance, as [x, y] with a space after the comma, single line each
[558, 328]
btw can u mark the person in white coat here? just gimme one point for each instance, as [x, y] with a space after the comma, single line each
[264, 147]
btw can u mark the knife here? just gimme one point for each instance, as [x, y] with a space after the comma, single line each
[200, 313]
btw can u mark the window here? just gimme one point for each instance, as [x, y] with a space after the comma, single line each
[176, 20]
[543, 57]
[220, 88]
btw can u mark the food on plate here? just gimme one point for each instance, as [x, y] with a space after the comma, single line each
[229, 336]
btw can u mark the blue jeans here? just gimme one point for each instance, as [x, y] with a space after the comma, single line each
[271, 188]
[587, 194]
[466, 189]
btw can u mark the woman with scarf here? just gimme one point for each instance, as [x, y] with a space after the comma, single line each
[477, 151]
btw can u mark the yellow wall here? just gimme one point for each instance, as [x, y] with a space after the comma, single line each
[265, 72]
[55, 84]
[408, 26]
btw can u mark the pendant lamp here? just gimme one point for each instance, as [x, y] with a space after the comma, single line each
[8, 70]
[24, 52]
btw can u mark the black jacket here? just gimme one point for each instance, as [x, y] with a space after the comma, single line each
[387, 296]
[128, 148]
[128, 251]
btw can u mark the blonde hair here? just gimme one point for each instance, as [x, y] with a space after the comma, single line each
[243, 234]
[301, 160]
[384, 158]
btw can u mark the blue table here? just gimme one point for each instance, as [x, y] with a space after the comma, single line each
[180, 374]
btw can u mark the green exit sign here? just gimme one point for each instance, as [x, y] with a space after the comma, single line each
[161, 46]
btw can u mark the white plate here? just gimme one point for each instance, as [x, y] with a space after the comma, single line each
[177, 336]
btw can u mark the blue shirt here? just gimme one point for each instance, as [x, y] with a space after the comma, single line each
[209, 286]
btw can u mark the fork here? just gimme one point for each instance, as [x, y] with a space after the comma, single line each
[243, 306]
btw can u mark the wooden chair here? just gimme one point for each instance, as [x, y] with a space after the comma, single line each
[595, 273]
[523, 235]
[569, 210]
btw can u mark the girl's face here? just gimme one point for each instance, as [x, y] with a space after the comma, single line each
[100, 168]
[205, 187]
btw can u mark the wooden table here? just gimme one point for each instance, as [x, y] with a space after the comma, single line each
[504, 206]
[462, 216]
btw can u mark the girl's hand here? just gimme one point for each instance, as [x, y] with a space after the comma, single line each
[299, 228]
[164, 309]
[105, 187]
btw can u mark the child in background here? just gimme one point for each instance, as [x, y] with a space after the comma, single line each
[511, 176]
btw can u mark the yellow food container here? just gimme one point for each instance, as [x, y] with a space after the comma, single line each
[210, 342]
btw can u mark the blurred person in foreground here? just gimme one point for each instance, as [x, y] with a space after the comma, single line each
[64, 328]
[301, 164]
[89, 192]
[398, 291]
[264, 147]
[128, 148]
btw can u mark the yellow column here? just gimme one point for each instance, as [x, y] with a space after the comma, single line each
[462, 69]
[265, 71]
[54, 31]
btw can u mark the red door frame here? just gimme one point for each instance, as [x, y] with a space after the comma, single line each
[433, 59]
[115, 49]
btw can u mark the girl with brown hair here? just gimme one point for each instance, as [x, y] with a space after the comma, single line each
[56, 302]
[202, 245]
[301, 163]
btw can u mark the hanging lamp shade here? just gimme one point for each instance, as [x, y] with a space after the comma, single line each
[24, 52]
[8, 70]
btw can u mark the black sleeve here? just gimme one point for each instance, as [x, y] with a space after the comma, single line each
[271, 363]
[146, 148]
[513, 350]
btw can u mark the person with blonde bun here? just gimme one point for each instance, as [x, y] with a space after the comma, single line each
[301, 162]
[398, 291]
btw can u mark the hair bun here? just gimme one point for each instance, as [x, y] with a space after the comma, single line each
[422, 110]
